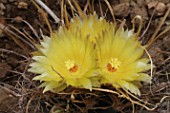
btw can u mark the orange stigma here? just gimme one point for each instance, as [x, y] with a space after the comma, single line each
[110, 68]
[71, 66]
[113, 65]
[73, 69]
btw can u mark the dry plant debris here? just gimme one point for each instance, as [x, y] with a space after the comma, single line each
[20, 37]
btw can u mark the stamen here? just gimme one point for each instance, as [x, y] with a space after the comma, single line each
[110, 68]
[73, 69]
[71, 66]
[113, 65]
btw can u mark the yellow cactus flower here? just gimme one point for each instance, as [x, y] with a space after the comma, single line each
[65, 59]
[90, 26]
[68, 55]
[88, 53]
[119, 58]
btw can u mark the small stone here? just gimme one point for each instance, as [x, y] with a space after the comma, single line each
[136, 10]
[140, 3]
[147, 1]
[2, 8]
[22, 5]
[159, 7]
[121, 10]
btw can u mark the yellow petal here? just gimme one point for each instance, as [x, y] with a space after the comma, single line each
[144, 77]
[129, 86]
[86, 83]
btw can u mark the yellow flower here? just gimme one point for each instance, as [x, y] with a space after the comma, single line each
[68, 57]
[65, 59]
[90, 25]
[119, 58]
[88, 53]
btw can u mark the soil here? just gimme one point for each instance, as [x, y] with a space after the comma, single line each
[19, 94]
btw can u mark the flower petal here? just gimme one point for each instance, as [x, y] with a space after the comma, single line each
[86, 83]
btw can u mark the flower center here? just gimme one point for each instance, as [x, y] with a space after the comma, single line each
[71, 66]
[113, 65]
